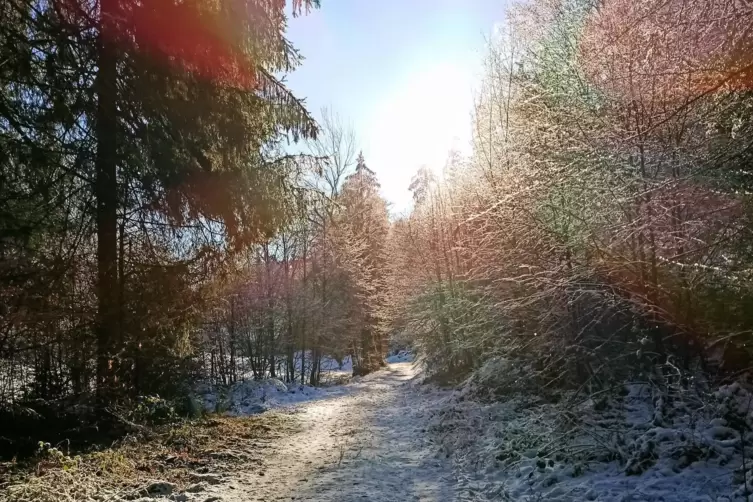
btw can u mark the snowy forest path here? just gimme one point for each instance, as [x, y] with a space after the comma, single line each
[366, 441]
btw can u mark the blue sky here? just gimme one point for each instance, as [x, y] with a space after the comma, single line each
[401, 72]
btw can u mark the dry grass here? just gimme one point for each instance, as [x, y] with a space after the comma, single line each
[216, 444]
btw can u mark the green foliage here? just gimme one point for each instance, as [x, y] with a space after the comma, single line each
[223, 401]
[189, 406]
[105, 279]
[52, 456]
[153, 410]
[455, 327]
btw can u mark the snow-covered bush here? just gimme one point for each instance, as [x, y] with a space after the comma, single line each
[668, 443]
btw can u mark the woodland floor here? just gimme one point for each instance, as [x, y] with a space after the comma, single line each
[367, 440]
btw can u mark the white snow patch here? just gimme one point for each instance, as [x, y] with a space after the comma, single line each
[403, 356]
[257, 396]
[642, 447]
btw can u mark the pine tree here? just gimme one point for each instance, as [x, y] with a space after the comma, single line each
[366, 224]
[155, 118]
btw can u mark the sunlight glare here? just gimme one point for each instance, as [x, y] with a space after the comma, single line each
[425, 117]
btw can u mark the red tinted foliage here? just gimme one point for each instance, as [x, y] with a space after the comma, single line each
[182, 34]
[206, 38]
[670, 49]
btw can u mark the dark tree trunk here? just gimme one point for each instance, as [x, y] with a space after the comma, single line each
[231, 332]
[107, 201]
[305, 312]
[315, 363]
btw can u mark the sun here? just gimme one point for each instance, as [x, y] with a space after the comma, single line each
[427, 115]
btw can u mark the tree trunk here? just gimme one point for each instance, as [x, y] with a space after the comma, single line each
[231, 333]
[305, 312]
[107, 202]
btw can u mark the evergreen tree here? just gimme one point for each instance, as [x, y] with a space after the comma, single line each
[140, 125]
[366, 225]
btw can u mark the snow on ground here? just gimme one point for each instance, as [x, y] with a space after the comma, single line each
[366, 440]
[402, 356]
[387, 437]
[636, 448]
[330, 364]
[248, 397]
[332, 368]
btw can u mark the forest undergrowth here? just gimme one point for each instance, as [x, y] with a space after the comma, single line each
[637, 442]
[157, 461]
[584, 274]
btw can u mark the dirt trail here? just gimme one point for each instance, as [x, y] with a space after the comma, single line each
[364, 441]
